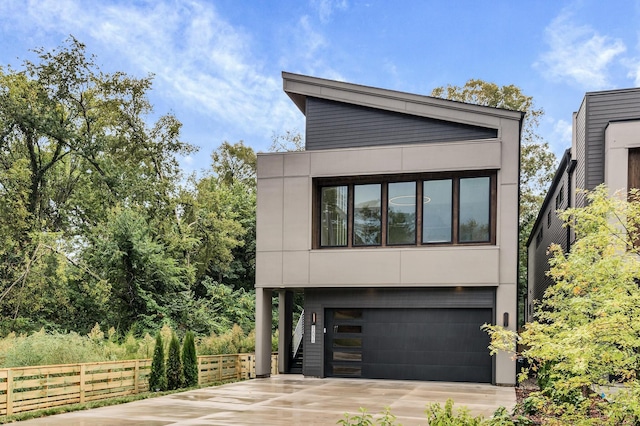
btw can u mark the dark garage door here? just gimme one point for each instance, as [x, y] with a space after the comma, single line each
[417, 344]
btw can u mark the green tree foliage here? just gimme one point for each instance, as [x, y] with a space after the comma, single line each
[234, 180]
[289, 141]
[175, 374]
[189, 360]
[537, 161]
[587, 331]
[96, 223]
[158, 376]
[147, 284]
[235, 163]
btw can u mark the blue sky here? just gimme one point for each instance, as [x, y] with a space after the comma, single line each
[217, 63]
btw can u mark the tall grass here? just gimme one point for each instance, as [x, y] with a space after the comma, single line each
[46, 348]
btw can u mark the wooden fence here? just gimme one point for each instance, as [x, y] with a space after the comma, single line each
[35, 388]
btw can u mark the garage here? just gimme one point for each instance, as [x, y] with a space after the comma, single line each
[440, 344]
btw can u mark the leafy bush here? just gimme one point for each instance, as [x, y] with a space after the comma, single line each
[232, 342]
[444, 416]
[175, 376]
[189, 360]
[158, 376]
[362, 419]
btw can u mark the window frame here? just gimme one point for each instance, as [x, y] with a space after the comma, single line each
[384, 180]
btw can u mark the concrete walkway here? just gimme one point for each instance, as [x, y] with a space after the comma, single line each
[291, 400]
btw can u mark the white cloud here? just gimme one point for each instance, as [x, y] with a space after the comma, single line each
[198, 58]
[327, 7]
[562, 131]
[309, 52]
[633, 65]
[634, 73]
[578, 53]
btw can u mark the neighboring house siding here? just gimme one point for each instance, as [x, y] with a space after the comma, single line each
[599, 112]
[601, 108]
[580, 153]
[552, 233]
[340, 125]
[317, 300]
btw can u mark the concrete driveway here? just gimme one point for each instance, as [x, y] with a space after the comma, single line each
[291, 400]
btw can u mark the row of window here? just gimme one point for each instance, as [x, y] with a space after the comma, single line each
[452, 210]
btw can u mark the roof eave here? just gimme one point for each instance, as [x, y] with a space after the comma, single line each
[298, 87]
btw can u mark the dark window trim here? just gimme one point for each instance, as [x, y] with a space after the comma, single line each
[384, 180]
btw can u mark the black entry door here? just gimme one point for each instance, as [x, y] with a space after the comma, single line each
[417, 344]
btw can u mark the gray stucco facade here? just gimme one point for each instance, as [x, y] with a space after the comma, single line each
[358, 135]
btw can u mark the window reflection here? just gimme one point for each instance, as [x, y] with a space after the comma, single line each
[333, 212]
[401, 214]
[474, 209]
[367, 215]
[437, 211]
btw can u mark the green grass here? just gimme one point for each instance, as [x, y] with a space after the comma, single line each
[96, 404]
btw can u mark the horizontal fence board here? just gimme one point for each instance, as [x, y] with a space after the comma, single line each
[45, 369]
[109, 385]
[46, 381]
[97, 377]
[109, 395]
[44, 393]
[45, 403]
[40, 387]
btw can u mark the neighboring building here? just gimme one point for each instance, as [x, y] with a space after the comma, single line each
[605, 149]
[393, 288]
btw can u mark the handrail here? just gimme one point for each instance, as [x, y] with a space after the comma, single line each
[298, 334]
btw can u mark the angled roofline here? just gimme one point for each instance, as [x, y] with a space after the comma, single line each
[611, 91]
[298, 87]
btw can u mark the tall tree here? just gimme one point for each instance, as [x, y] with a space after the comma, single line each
[537, 161]
[74, 144]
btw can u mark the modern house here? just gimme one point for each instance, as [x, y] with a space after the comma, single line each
[605, 149]
[399, 225]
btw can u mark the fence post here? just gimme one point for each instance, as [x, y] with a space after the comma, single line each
[199, 370]
[220, 368]
[9, 392]
[136, 376]
[82, 382]
[238, 368]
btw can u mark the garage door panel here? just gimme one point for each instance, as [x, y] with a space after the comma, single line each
[424, 344]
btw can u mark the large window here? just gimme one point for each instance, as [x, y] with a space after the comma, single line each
[437, 211]
[333, 216]
[367, 215]
[401, 213]
[474, 209]
[424, 209]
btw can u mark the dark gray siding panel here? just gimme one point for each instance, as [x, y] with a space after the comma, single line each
[338, 125]
[316, 300]
[552, 232]
[603, 107]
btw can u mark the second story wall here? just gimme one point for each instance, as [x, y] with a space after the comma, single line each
[600, 109]
[285, 253]
[333, 124]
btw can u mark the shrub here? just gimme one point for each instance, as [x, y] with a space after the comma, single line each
[232, 342]
[189, 360]
[158, 377]
[444, 416]
[175, 376]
